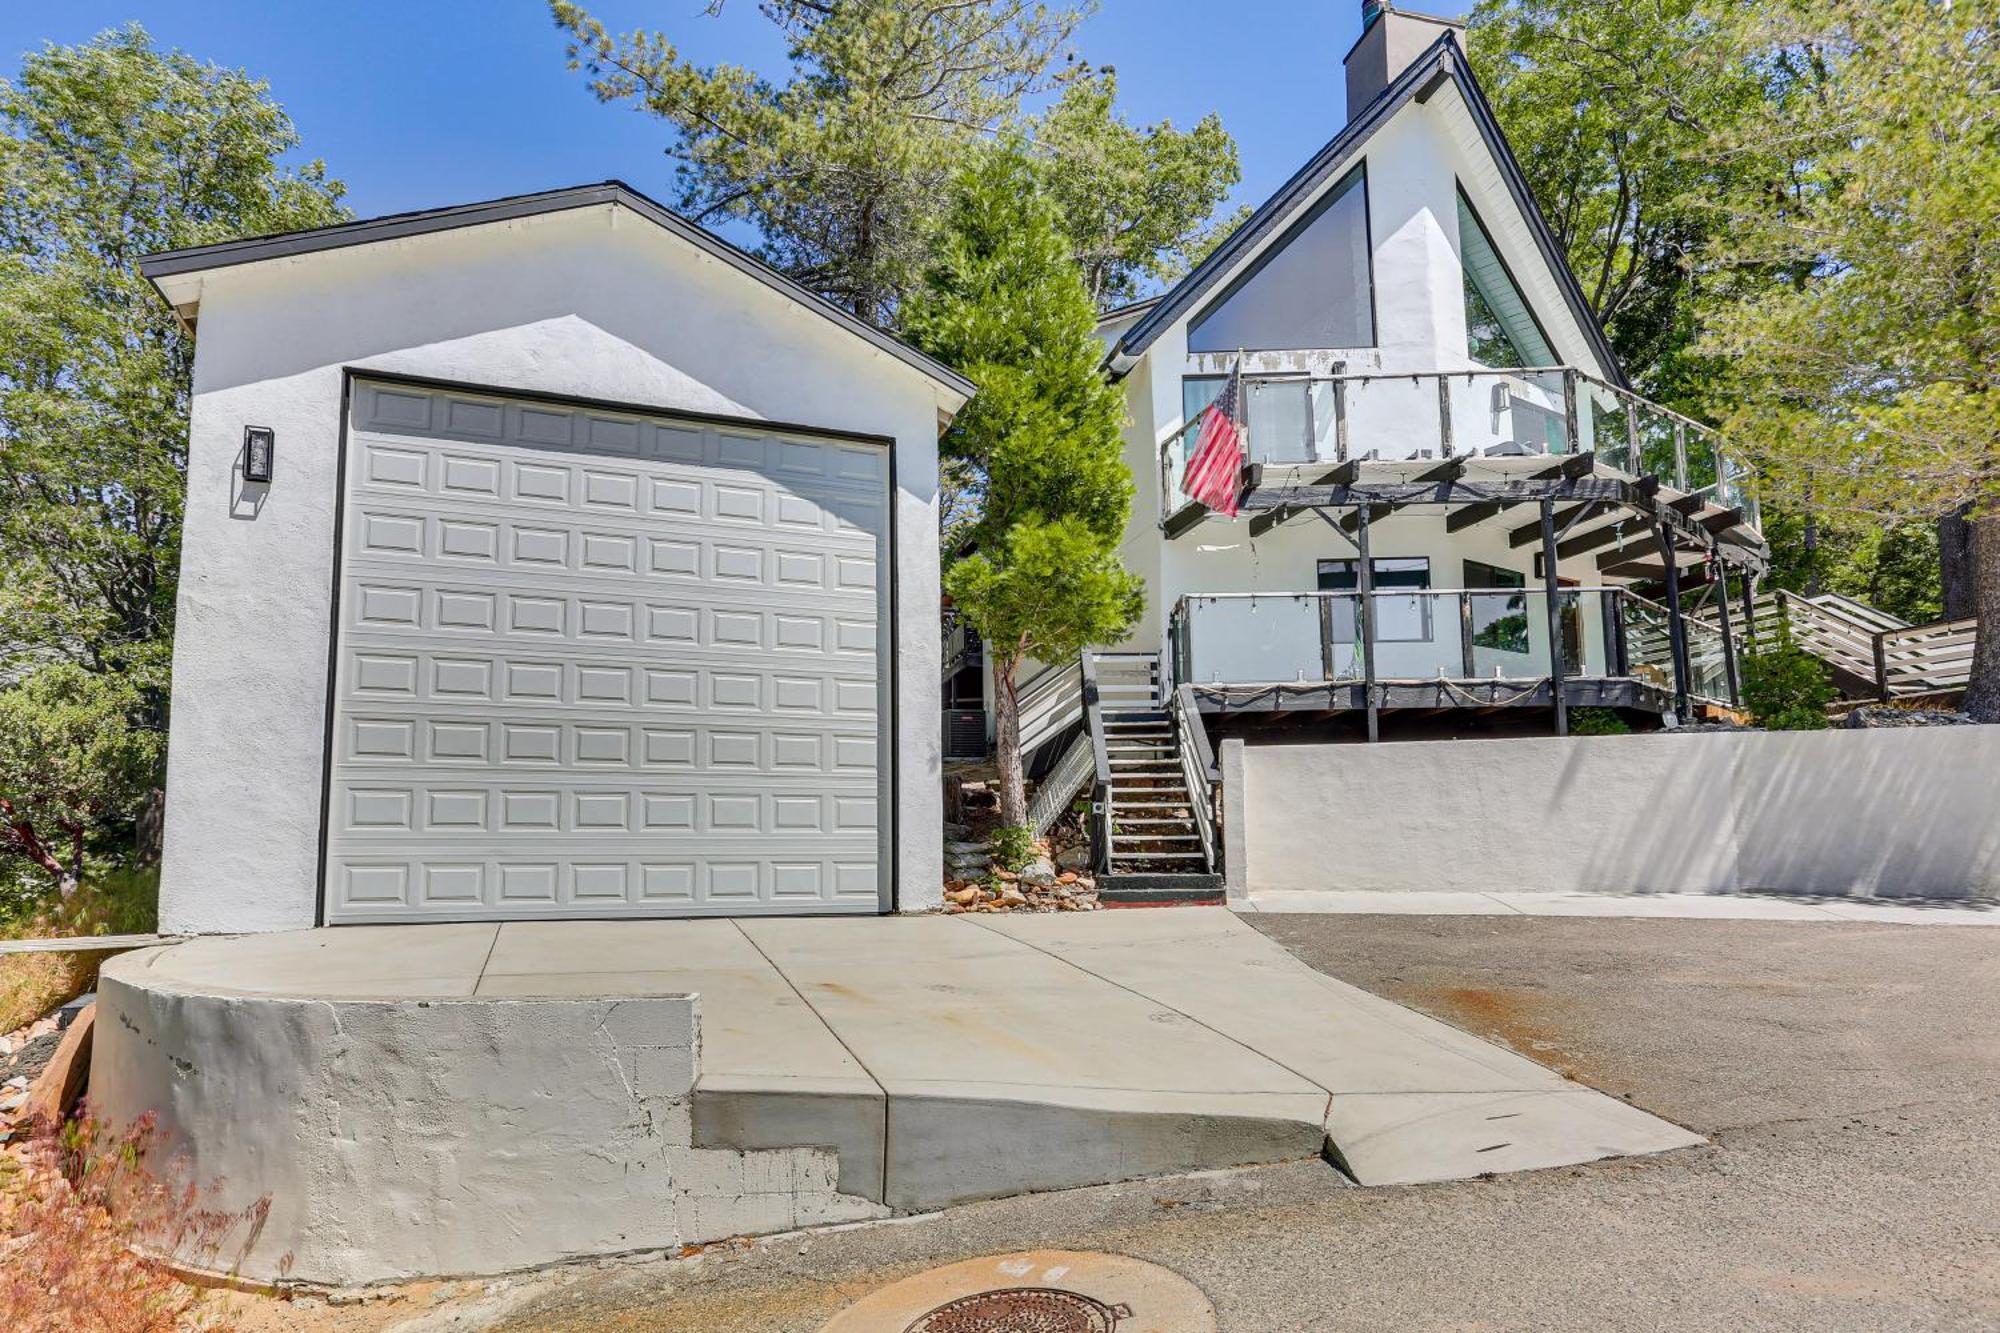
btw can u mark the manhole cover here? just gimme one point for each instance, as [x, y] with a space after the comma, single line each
[1038, 1291]
[1022, 1310]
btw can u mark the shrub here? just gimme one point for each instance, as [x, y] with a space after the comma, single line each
[75, 1206]
[1012, 845]
[1597, 722]
[1786, 688]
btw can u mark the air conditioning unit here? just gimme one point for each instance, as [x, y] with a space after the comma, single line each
[965, 733]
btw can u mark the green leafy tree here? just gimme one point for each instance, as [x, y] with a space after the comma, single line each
[1004, 302]
[108, 151]
[843, 168]
[1613, 117]
[71, 758]
[1138, 205]
[1866, 387]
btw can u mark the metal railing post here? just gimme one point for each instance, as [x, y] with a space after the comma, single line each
[1728, 638]
[1551, 589]
[1444, 415]
[1465, 634]
[1365, 623]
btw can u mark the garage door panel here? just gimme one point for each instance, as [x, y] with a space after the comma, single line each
[600, 665]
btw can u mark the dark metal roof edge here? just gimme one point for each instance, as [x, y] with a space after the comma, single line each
[396, 226]
[1273, 211]
[1443, 55]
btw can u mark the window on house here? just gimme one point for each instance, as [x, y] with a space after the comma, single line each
[1311, 288]
[1500, 329]
[1398, 619]
[1499, 618]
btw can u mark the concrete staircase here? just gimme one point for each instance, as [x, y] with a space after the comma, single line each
[1151, 819]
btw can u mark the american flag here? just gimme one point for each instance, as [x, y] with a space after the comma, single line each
[1212, 474]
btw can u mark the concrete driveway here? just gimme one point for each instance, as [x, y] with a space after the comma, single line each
[1850, 1075]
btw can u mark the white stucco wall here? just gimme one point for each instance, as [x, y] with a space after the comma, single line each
[593, 303]
[1894, 813]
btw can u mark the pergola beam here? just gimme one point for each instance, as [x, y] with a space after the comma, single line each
[1532, 532]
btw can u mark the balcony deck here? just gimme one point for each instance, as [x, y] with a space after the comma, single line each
[1481, 445]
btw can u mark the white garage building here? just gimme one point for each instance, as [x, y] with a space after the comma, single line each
[596, 574]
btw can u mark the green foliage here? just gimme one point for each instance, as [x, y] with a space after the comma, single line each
[1045, 590]
[1867, 387]
[1135, 204]
[1038, 450]
[1597, 722]
[1611, 113]
[1893, 567]
[1785, 688]
[1002, 303]
[71, 761]
[843, 168]
[1012, 846]
[108, 151]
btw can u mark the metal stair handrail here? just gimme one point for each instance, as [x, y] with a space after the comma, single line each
[1197, 767]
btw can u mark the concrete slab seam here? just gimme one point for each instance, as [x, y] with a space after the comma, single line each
[1119, 985]
[833, 1032]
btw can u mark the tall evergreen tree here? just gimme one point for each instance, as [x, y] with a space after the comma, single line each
[843, 168]
[1869, 382]
[1137, 204]
[1004, 303]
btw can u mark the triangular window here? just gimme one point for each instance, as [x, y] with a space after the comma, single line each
[1500, 329]
[1310, 289]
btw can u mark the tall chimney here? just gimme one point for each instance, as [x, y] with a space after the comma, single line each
[1391, 39]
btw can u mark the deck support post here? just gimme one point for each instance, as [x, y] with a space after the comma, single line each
[1364, 583]
[1552, 594]
[1728, 637]
[1750, 608]
[1676, 626]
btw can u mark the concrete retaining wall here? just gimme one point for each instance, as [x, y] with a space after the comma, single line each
[406, 1138]
[1894, 813]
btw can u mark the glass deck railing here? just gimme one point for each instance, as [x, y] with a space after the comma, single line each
[1460, 634]
[1294, 419]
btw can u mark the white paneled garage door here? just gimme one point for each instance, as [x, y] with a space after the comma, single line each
[592, 663]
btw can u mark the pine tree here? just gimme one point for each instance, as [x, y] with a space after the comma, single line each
[1004, 302]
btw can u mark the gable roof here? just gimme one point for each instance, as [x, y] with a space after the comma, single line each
[1443, 61]
[396, 226]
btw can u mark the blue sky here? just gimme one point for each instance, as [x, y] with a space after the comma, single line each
[428, 102]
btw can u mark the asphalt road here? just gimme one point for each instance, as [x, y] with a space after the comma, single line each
[1849, 1077]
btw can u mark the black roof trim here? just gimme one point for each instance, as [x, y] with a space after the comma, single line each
[1443, 59]
[395, 226]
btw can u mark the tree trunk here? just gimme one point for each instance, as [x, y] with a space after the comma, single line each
[1007, 741]
[1982, 691]
[1955, 577]
[1810, 540]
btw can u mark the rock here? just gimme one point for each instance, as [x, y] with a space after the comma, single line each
[965, 848]
[1012, 897]
[969, 894]
[955, 831]
[1074, 858]
[1869, 716]
[1039, 871]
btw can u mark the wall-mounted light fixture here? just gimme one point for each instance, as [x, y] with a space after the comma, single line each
[260, 447]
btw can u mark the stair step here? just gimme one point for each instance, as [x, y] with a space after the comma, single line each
[1155, 856]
